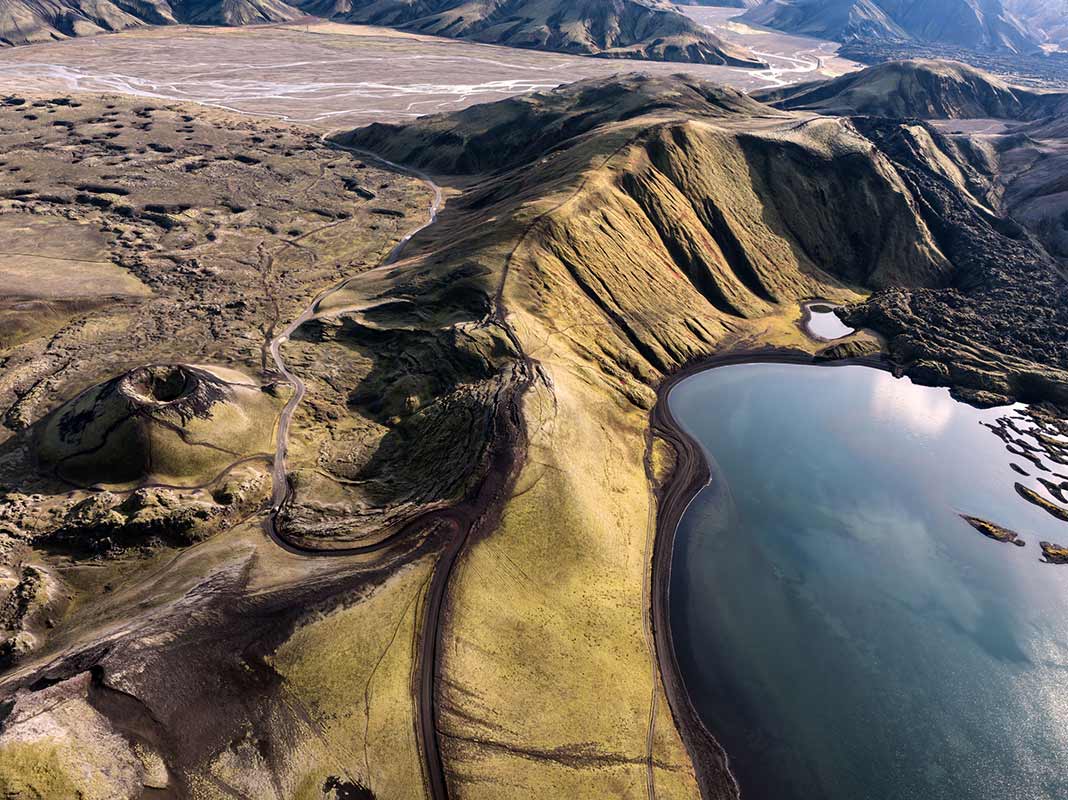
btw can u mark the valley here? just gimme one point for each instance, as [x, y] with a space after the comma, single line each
[329, 75]
[337, 459]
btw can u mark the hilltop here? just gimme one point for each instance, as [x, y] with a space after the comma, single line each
[512, 132]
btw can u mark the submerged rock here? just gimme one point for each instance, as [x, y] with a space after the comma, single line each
[1054, 553]
[1051, 508]
[992, 530]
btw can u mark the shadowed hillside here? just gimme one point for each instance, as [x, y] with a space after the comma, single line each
[635, 29]
[512, 132]
[1022, 158]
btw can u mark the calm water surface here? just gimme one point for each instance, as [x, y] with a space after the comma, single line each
[841, 630]
[823, 323]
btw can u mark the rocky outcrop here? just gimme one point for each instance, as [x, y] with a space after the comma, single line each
[56, 744]
[999, 331]
[32, 602]
[991, 530]
[1053, 553]
[103, 522]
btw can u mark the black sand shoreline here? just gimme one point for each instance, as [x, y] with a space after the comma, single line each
[690, 473]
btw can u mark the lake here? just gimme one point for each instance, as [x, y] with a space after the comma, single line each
[842, 631]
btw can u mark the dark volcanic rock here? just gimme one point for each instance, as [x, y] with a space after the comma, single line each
[999, 332]
[1054, 553]
[992, 530]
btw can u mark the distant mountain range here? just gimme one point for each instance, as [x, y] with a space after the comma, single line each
[32, 21]
[923, 89]
[719, 3]
[1045, 19]
[973, 24]
[643, 29]
[640, 29]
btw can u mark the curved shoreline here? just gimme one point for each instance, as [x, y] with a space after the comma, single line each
[690, 473]
[806, 319]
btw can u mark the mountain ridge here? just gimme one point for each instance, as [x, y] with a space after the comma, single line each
[35, 21]
[974, 24]
[633, 29]
[640, 29]
[920, 88]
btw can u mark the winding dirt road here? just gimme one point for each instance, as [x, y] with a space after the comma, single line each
[460, 524]
[280, 478]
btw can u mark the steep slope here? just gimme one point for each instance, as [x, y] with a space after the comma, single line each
[840, 20]
[968, 23]
[30, 21]
[973, 24]
[233, 12]
[641, 29]
[1001, 333]
[1023, 161]
[1047, 20]
[918, 88]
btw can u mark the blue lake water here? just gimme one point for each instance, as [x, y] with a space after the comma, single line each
[841, 630]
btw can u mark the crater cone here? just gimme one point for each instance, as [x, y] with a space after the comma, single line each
[171, 424]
